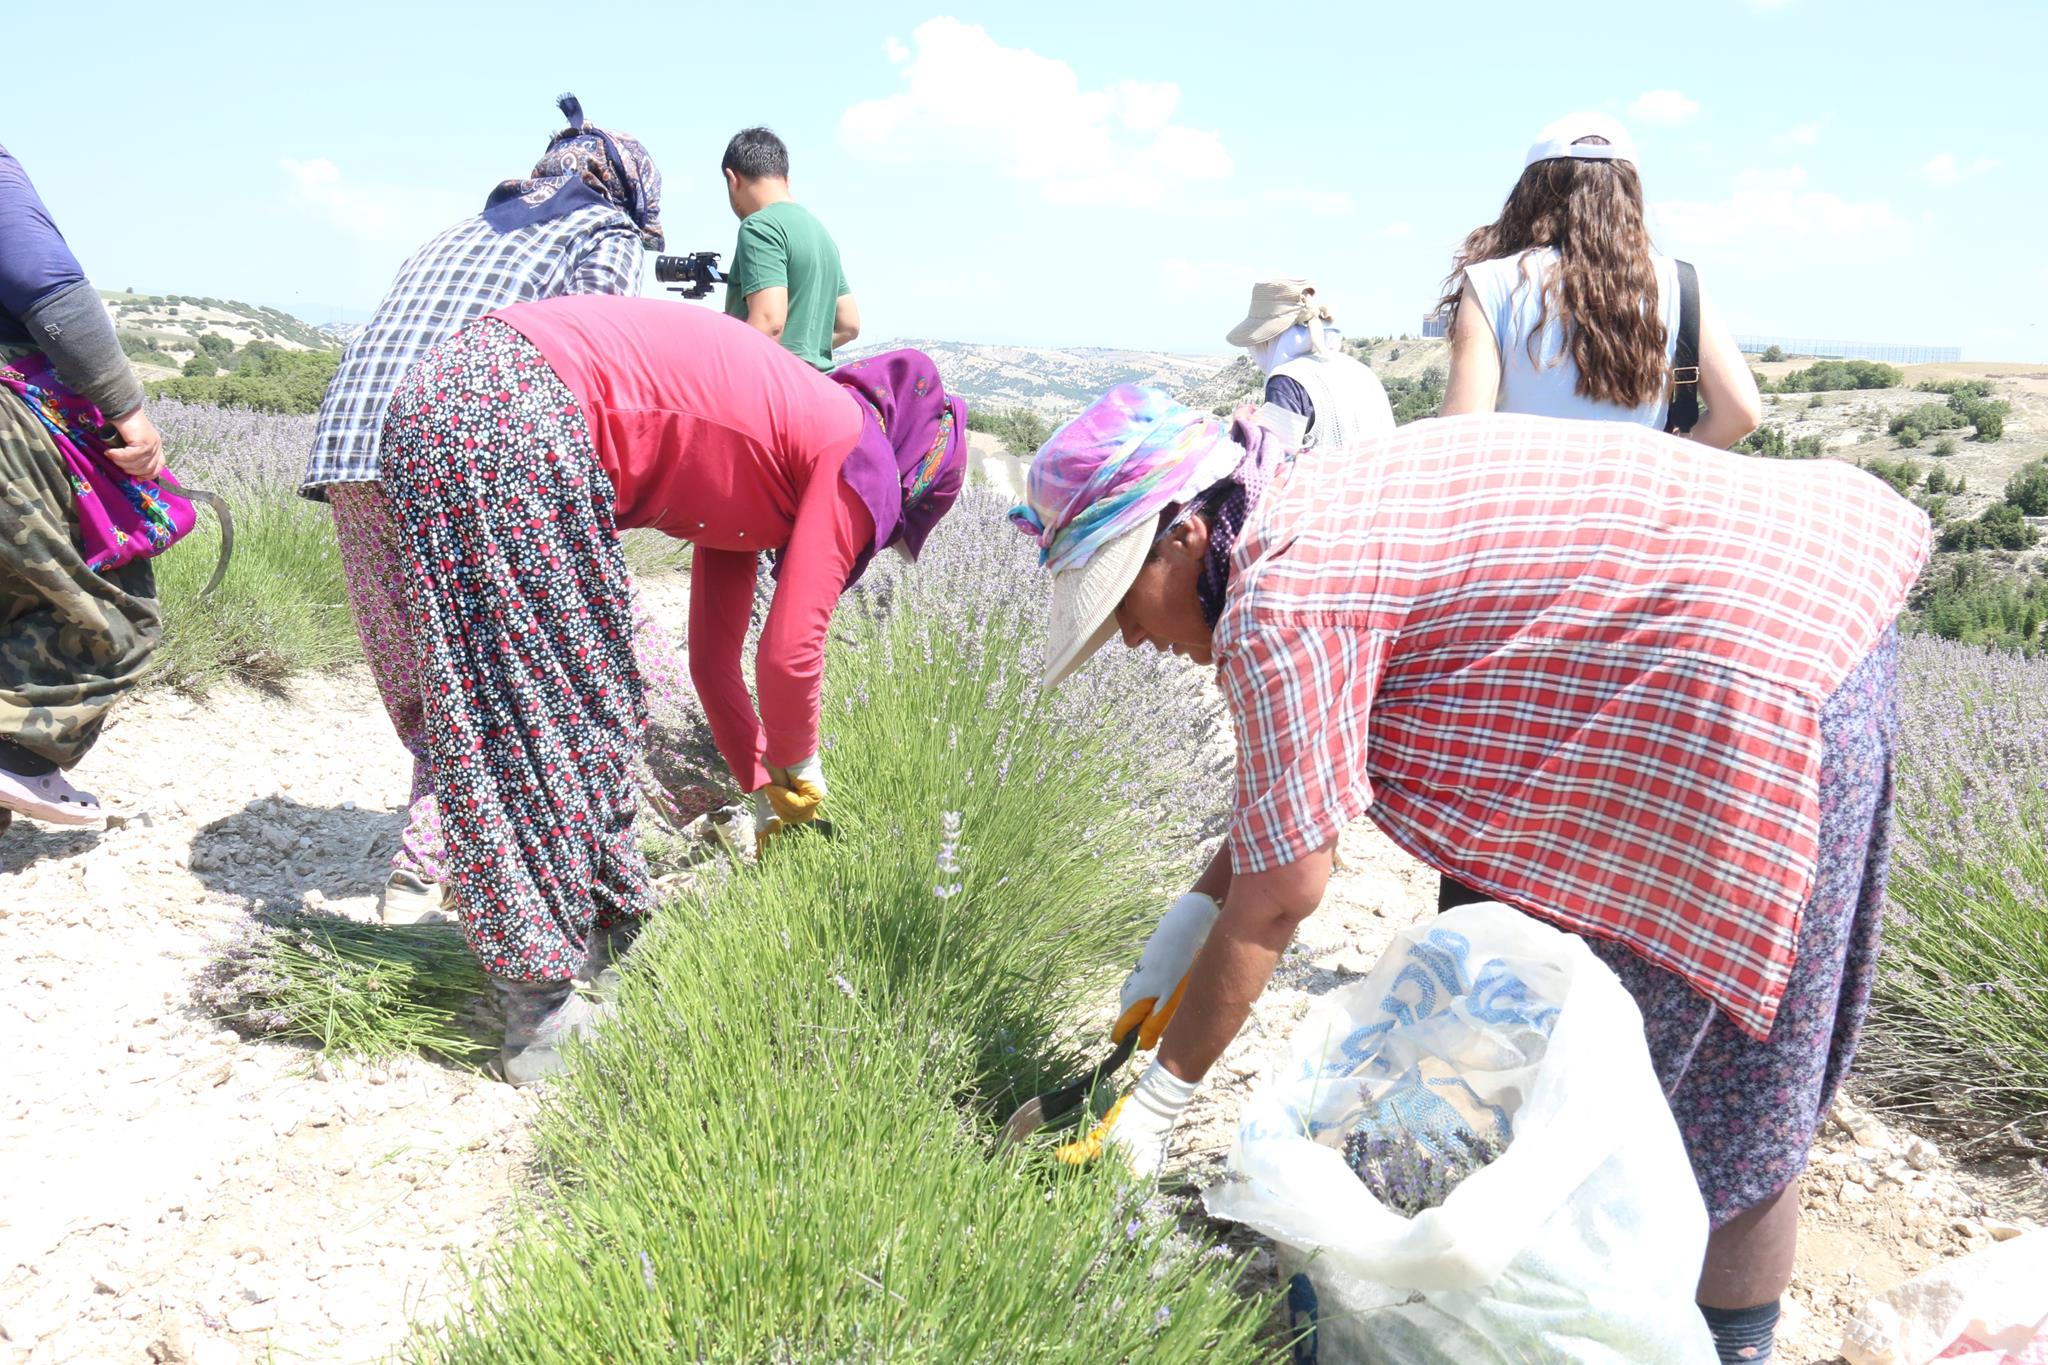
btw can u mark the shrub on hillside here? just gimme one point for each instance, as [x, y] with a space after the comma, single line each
[1768, 441]
[1970, 599]
[1924, 420]
[780, 1146]
[1841, 374]
[1772, 354]
[1021, 430]
[2001, 526]
[2027, 489]
[1990, 422]
[1901, 475]
[200, 366]
[273, 380]
[1415, 399]
[215, 345]
[1945, 446]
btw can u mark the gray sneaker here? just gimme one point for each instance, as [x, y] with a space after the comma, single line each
[608, 948]
[410, 899]
[539, 1017]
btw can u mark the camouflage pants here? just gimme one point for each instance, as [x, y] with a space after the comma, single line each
[72, 641]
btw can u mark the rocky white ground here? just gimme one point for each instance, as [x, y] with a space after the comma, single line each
[172, 1193]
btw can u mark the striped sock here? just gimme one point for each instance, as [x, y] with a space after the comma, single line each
[1743, 1336]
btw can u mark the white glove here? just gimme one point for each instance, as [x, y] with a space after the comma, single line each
[1152, 991]
[1137, 1126]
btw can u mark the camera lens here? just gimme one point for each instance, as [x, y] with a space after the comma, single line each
[671, 269]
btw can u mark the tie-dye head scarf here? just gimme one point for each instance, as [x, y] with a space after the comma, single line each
[1132, 453]
[583, 165]
[911, 458]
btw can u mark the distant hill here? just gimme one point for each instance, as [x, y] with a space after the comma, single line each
[1394, 358]
[1054, 382]
[161, 332]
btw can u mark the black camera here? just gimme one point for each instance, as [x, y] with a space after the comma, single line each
[691, 276]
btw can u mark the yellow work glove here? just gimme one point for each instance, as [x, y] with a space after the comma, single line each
[1137, 1126]
[777, 807]
[1151, 993]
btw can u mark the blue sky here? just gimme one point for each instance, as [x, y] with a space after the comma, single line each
[1082, 174]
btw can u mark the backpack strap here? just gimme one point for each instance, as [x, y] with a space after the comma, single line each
[1683, 413]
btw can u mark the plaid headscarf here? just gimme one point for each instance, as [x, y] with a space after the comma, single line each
[1130, 454]
[583, 165]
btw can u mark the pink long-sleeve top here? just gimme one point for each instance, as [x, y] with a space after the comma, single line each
[714, 434]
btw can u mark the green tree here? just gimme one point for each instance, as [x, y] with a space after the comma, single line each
[2001, 527]
[1772, 354]
[1842, 374]
[2027, 489]
[1990, 423]
[215, 345]
[201, 365]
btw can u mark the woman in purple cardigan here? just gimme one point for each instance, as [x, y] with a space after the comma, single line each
[72, 641]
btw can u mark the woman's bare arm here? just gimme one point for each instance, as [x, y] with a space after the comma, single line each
[1474, 382]
[1727, 388]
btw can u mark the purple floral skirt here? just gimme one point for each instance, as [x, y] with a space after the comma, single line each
[1748, 1110]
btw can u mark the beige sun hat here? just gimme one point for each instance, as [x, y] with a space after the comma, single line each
[1276, 306]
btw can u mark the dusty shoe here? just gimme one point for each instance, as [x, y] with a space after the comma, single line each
[48, 797]
[410, 899]
[540, 1016]
[608, 948]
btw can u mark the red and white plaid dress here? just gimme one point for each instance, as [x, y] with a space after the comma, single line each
[1575, 665]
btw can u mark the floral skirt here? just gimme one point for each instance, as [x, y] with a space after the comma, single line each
[1749, 1110]
[534, 707]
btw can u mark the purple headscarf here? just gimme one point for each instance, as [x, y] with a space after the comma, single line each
[583, 165]
[911, 459]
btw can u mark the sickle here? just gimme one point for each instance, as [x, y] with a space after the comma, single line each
[227, 532]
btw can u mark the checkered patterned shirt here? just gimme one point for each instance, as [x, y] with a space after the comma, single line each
[467, 271]
[1576, 665]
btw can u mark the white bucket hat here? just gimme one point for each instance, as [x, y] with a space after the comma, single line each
[1562, 139]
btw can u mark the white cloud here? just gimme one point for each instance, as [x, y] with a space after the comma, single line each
[1779, 213]
[370, 212]
[896, 52]
[1803, 134]
[968, 98]
[1946, 170]
[1231, 279]
[1663, 107]
[1313, 203]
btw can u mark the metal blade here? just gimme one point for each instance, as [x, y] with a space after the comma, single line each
[219, 505]
[1053, 1105]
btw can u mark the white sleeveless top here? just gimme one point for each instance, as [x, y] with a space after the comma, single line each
[1350, 402]
[1509, 293]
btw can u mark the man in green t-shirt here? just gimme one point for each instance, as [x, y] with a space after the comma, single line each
[785, 277]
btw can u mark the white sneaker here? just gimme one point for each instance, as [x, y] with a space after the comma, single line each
[409, 899]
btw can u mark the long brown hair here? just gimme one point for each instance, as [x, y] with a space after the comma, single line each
[1604, 290]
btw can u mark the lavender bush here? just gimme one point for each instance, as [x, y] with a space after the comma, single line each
[282, 609]
[781, 1146]
[1960, 1016]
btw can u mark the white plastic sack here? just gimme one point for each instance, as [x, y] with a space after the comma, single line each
[1581, 1242]
[1987, 1308]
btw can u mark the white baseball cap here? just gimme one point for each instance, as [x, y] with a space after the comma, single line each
[1562, 139]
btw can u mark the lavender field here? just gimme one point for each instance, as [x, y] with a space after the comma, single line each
[1961, 1016]
[1960, 1024]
